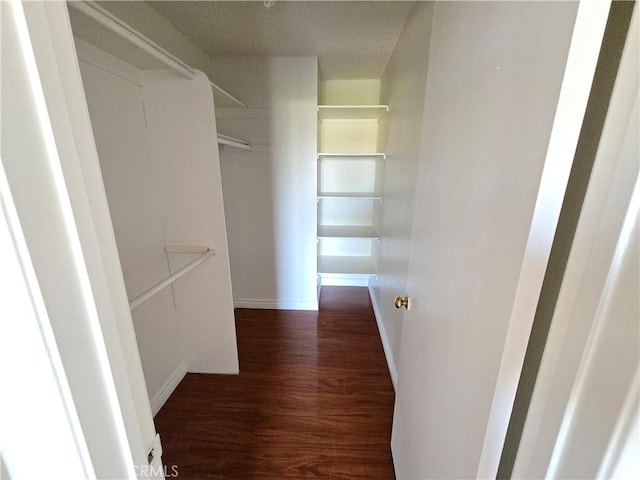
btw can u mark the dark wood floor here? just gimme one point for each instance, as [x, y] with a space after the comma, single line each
[313, 399]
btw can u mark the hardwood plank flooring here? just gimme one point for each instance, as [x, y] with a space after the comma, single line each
[313, 399]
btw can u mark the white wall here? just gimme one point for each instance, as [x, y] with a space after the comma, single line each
[403, 89]
[270, 192]
[135, 205]
[158, 155]
[349, 92]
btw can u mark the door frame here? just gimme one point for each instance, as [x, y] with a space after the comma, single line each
[574, 347]
[581, 63]
[119, 439]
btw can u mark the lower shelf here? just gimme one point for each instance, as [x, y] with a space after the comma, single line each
[346, 265]
[347, 231]
[342, 280]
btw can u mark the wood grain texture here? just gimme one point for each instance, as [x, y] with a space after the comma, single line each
[313, 399]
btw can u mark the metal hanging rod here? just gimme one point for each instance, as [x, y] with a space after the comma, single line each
[117, 26]
[172, 278]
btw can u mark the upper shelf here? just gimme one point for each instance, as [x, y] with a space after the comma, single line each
[99, 27]
[379, 155]
[351, 112]
[359, 195]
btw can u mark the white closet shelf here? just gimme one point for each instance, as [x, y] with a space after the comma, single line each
[146, 54]
[346, 265]
[375, 155]
[233, 142]
[362, 195]
[347, 231]
[351, 112]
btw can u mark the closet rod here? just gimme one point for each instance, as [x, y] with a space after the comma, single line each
[170, 279]
[233, 142]
[113, 23]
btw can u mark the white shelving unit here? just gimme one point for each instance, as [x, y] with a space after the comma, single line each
[379, 155]
[363, 195]
[349, 190]
[100, 28]
[346, 231]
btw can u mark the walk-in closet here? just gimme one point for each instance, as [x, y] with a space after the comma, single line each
[289, 234]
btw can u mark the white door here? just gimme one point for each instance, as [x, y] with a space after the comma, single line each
[485, 214]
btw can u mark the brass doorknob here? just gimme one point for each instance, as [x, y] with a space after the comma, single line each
[402, 302]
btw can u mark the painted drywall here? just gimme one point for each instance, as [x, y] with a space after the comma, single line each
[270, 192]
[495, 71]
[349, 92]
[130, 178]
[158, 155]
[403, 89]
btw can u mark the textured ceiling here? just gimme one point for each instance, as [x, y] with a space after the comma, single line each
[351, 39]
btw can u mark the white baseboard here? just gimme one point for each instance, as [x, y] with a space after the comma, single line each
[391, 364]
[344, 280]
[273, 304]
[167, 389]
